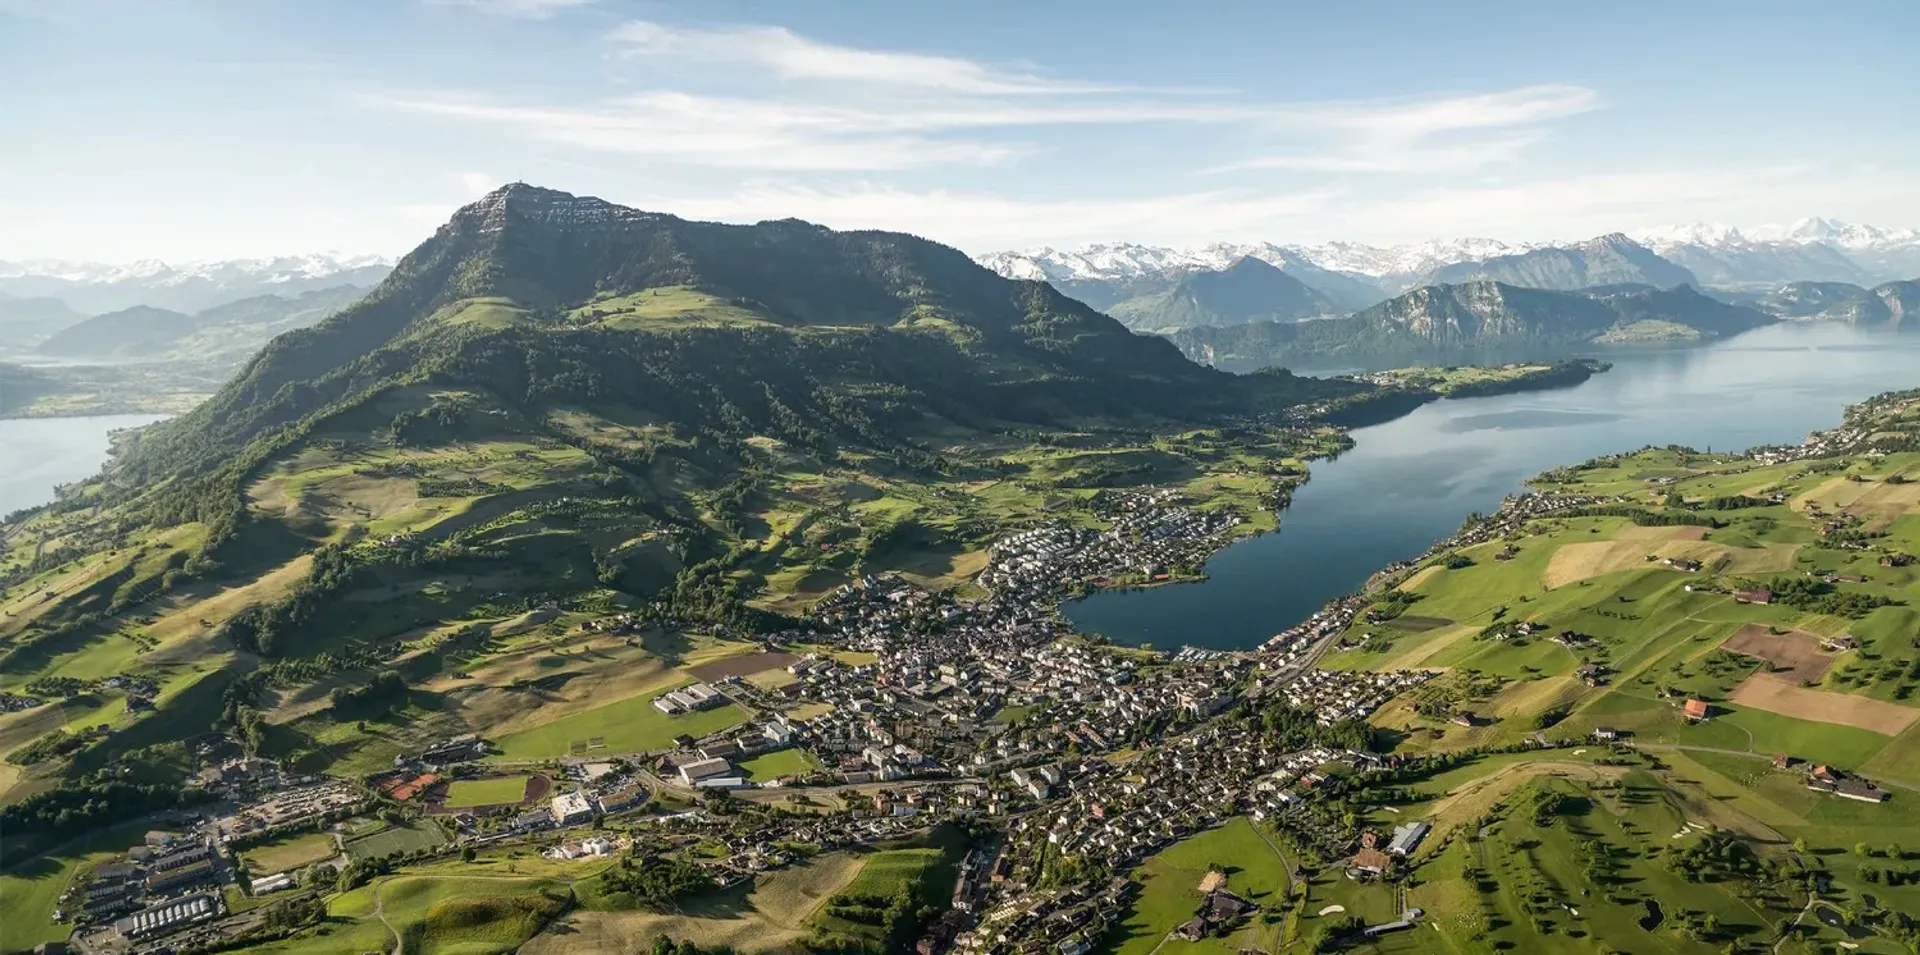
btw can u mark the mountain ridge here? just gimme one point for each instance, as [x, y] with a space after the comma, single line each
[1248, 290]
[1440, 322]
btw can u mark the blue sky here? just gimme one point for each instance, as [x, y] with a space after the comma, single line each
[186, 129]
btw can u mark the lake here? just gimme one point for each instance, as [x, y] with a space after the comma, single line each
[1412, 481]
[37, 454]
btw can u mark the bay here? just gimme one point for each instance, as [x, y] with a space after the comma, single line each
[38, 454]
[1410, 482]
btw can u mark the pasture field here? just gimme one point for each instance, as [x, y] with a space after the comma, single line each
[289, 852]
[497, 791]
[632, 725]
[1169, 893]
[30, 892]
[772, 913]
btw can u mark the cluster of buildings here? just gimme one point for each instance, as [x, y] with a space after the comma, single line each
[688, 699]
[292, 808]
[157, 886]
[1150, 535]
[1335, 695]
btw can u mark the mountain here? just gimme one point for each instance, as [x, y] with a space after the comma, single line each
[1608, 260]
[1802, 299]
[95, 288]
[1894, 303]
[25, 321]
[1820, 250]
[130, 332]
[1477, 318]
[229, 333]
[540, 300]
[1249, 290]
[1106, 275]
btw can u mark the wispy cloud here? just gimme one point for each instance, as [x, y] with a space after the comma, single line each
[810, 105]
[1439, 135]
[984, 220]
[521, 9]
[795, 57]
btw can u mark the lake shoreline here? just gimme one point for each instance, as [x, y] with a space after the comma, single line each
[1412, 480]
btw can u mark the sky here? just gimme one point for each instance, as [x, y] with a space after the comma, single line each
[200, 129]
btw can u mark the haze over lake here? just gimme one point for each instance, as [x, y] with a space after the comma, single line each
[1412, 481]
[38, 454]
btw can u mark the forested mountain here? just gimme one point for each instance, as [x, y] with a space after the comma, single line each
[1608, 260]
[1477, 317]
[1249, 290]
[542, 300]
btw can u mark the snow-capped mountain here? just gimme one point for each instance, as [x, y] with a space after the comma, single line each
[1356, 274]
[1813, 250]
[1125, 260]
[96, 287]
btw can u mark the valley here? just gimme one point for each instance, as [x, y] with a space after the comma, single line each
[608, 580]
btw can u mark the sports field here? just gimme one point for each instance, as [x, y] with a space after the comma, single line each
[786, 762]
[395, 840]
[290, 852]
[497, 791]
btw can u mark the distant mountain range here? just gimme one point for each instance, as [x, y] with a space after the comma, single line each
[92, 288]
[1477, 319]
[230, 332]
[1608, 260]
[1354, 275]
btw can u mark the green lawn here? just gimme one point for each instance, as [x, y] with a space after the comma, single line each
[786, 762]
[629, 726]
[927, 866]
[29, 893]
[1535, 892]
[1169, 893]
[408, 838]
[500, 791]
[290, 852]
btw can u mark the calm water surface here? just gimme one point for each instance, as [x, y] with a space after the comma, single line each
[40, 453]
[1412, 481]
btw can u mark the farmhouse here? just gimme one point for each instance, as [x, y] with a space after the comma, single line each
[1839, 644]
[1824, 779]
[1698, 710]
[1759, 595]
